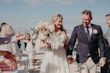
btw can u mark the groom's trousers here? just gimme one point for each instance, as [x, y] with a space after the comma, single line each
[88, 67]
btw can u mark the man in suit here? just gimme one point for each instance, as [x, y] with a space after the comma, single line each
[106, 68]
[90, 38]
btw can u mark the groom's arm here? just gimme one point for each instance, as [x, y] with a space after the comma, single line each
[70, 47]
[72, 42]
[101, 42]
[101, 46]
[5, 40]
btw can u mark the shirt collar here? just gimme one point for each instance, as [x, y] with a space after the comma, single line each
[89, 25]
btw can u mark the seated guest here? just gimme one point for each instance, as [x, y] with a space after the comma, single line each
[8, 33]
[7, 55]
[7, 61]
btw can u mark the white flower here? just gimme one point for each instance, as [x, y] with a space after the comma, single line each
[51, 27]
[43, 31]
[95, 31]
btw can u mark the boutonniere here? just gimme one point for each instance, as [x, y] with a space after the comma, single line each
[95, 31]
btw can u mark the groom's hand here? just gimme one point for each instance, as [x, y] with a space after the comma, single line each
[70, 60]
[102, 62]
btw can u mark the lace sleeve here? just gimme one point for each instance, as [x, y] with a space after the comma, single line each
[58, 41]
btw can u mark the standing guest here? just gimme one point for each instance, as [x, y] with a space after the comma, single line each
[106, 68]
[7, 31]
[90, 38]
[7, 55]
[27, 37]
[18, 34]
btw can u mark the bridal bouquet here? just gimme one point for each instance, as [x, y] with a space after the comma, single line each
[43, 31]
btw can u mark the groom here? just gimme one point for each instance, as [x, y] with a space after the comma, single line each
[89, 37]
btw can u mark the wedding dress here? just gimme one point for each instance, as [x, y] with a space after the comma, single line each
[55, 61]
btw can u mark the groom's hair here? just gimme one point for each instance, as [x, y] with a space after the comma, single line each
[87, 12]
[107, 15]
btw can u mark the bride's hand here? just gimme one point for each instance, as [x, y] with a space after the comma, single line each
[44, 45]
[70, 60]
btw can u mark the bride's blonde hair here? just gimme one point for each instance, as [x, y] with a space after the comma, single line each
[7, 30]
[55, 18]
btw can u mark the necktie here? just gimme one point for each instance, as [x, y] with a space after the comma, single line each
[88, 33]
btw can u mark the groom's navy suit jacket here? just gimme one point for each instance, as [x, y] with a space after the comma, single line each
[84, 46]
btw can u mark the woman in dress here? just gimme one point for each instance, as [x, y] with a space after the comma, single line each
[8, 64]
[106, 68]
[7, 31]
[54, 60]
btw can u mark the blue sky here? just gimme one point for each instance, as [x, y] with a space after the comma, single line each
[25, 14]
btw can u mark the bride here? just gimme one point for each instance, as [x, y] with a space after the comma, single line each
[54, 60]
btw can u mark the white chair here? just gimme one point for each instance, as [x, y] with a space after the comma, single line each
[30, 58]
[23, 68]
